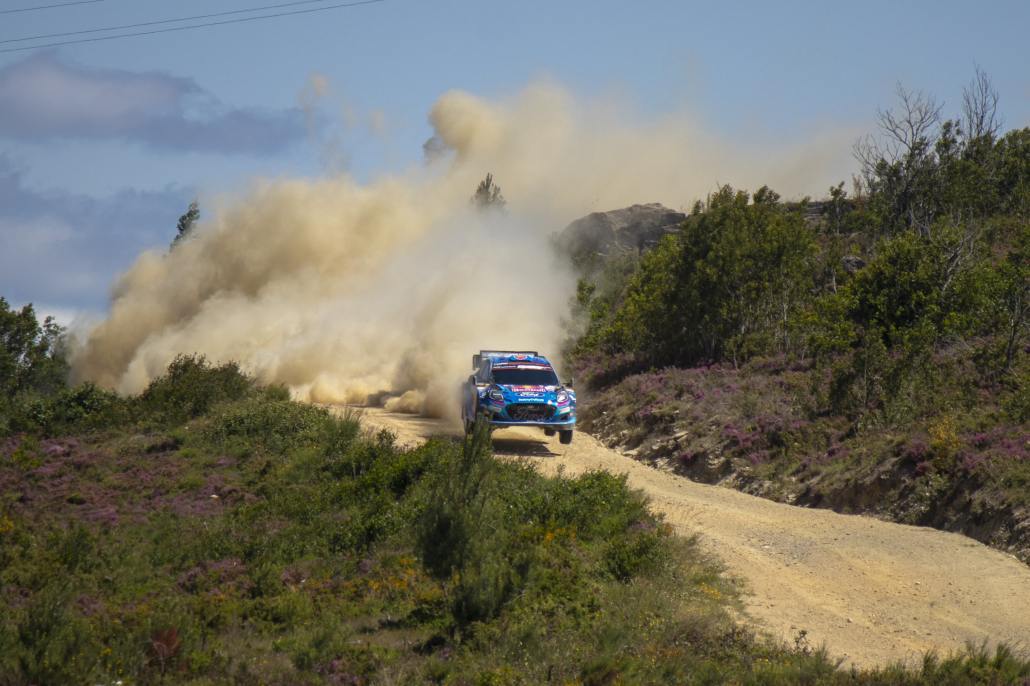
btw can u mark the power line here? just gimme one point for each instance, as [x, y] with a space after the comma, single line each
[47, 7]
[194, 26]
[160, 21]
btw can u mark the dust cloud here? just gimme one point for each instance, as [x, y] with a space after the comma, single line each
[380, 292]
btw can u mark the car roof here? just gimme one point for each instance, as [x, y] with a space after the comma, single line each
[516, 361]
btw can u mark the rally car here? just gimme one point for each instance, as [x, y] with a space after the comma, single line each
[518, 388]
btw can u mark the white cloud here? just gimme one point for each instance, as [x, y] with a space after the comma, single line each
[62, 248]
[44, 97]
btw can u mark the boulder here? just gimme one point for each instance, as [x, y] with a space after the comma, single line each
[852, 263]
[630, 229]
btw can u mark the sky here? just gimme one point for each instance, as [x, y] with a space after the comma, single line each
[104, 144]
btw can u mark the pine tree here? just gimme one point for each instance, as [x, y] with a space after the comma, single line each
[186, 223]
[488, 195]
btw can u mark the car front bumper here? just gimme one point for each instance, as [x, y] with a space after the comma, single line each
[561, 425]
[497, 415]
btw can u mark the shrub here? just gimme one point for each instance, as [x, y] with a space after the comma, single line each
[459, 538]
[82, 409]
[192, 386]
[32, 354]
[275, 425]
[723, 288]
[1017, 406]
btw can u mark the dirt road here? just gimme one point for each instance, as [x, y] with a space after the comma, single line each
[872, 591]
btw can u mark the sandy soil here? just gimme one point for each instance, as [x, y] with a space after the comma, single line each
[871, 591]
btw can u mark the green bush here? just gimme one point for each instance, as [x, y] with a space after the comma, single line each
[46, 641]
[32, 367]
[499, 531]
[723, 288]
[878, 332]
[1017, 405]
[32, 356]
[459, 537]
[274, 425]
[191, 387]
[81, 409]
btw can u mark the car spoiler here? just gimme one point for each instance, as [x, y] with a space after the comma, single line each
[476, 359]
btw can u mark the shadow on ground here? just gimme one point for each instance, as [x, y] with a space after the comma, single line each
[523, 447]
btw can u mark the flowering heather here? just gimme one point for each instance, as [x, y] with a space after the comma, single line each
[916, 451]
[1017, 449]
[980, 440]
[923, 468]
[837, 452]
[737, 437]
[758, 457]
[972, 462]
[767, 427]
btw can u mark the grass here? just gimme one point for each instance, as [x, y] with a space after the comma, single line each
[257, 540]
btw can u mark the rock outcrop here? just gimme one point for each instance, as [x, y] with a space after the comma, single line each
[630, 229]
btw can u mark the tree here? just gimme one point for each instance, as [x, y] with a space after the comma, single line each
[488, 195]
[186, 223]
[980, 107]
[1015, 299]
[725, 287]
[899, 166]
[31, 354]
[921, 169]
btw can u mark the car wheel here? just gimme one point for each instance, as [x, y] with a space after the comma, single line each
[565, 437]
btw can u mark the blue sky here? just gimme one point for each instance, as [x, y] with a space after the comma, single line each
[103, 144]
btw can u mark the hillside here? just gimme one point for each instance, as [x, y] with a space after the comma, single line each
[869, 352]
[212, 531]
[873, 592]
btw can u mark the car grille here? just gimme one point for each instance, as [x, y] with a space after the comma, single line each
[530, 412]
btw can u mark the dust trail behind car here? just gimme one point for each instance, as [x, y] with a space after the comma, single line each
[351, 290]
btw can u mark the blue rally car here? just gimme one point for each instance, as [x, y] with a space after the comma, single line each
[518, 388]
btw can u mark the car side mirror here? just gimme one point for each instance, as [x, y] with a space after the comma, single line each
[569, 383]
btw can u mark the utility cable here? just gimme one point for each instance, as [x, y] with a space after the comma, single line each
[47, 7]
[194, 26]
[160, 21]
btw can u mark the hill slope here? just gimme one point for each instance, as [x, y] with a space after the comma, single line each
[872, 591]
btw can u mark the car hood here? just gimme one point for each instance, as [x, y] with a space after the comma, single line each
[529, 392]
[536, 394]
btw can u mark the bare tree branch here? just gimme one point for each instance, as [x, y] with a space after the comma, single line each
[980, 107]
[907, 129]
[906, 133]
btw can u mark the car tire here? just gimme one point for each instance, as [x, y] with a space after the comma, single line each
[565, 437]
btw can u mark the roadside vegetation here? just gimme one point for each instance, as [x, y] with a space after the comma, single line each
[211, 530]
[869, 352]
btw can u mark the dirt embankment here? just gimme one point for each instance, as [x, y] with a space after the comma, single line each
[872, 591]
[892, 488]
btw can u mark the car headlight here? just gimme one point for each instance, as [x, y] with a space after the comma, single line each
[495, 394]
[562, 397]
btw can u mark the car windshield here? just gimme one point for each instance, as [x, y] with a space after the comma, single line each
[525, 377]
